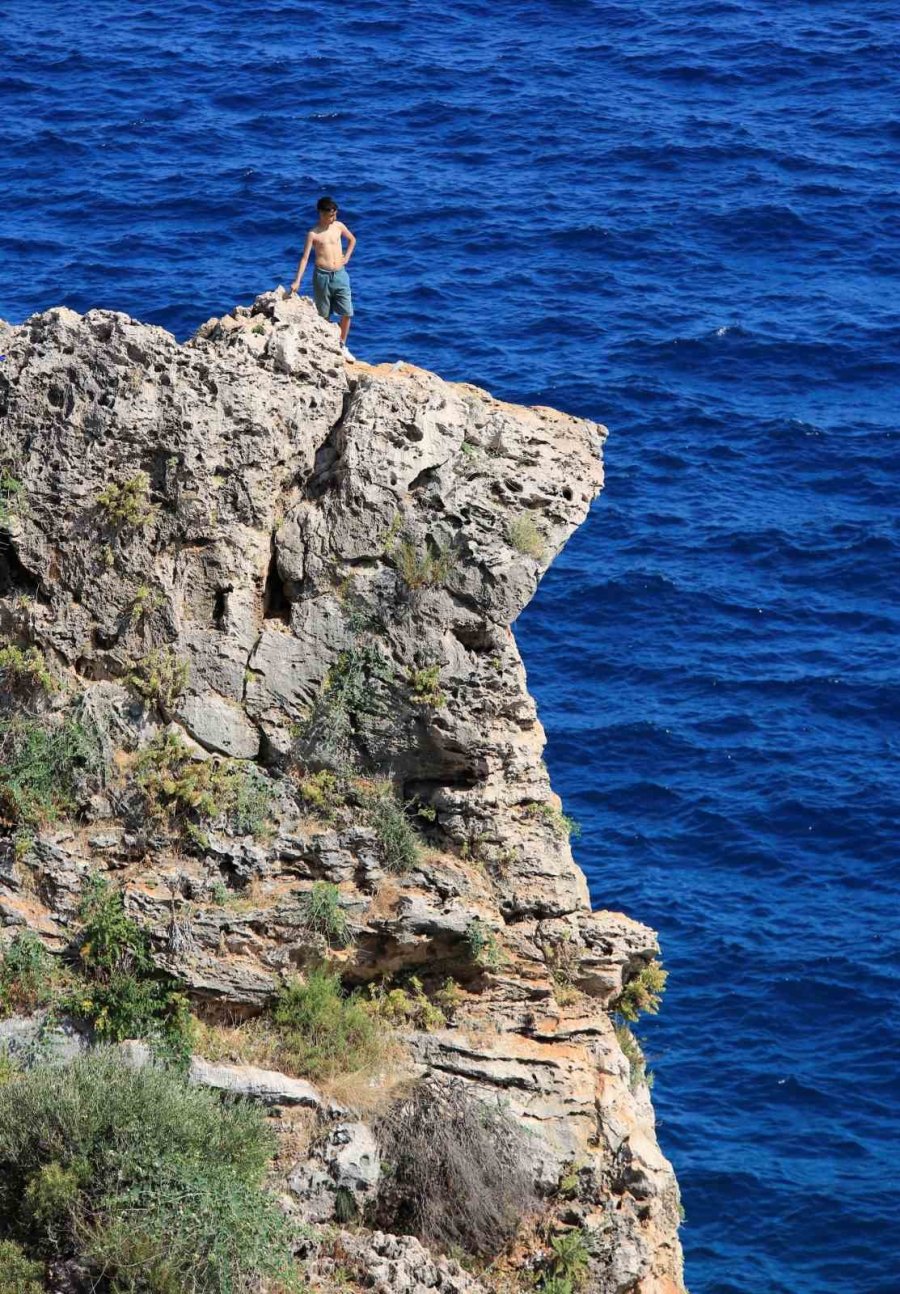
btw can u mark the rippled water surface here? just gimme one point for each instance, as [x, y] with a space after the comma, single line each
[682, 220]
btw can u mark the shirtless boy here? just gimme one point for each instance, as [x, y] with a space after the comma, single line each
[331, 282]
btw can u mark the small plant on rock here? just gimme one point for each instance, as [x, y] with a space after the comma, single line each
[18, 1273]
[161, 676]
[43, 765]
[187, 794]
[407, 1006]
[322, 914]
[146, 600]
[642, 994]
[11, 497]
[523, 535]
[552, 816]
[425, 687]
[322, 793]
[399, 844]
[426, 568]
[24, 671]
[633, 1052]
[26, 974]
[127, 506]
[151, 1185]
[351, 695]
[563, 957]
[568, 1263]
[484, 945]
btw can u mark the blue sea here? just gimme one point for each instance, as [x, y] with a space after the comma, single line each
[681, 219]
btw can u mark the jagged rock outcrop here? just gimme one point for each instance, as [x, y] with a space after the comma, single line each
[287, 559]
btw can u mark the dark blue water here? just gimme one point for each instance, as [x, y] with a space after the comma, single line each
[681, 219]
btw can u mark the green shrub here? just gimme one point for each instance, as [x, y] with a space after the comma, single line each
[424, 568]
[18, 1273]
[322, 914]
[323, 1032]
[10, 496]
[153, 1185]
[123, 993]
[633, 1053]
[323, 793]
[399, 844]
[523, 535]
[483, 945]
[563, 957]
[567, 1267]
[128, 504]
[145, 600]
[26, 974]
[425, 686]
[161, 676]
[553, 817]
[407, 1006]
[642, 993]
[458, 1170]
[24, 671]
[351, 694]
[187, 794]
[43, 763]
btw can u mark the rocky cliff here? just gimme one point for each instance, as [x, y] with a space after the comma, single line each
[270, 593]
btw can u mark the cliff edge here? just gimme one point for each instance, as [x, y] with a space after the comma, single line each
[262, 598]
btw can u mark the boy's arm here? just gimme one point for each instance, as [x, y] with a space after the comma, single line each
[301, 268]
[351, 243]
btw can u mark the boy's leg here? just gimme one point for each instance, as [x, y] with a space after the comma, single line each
[343, 301]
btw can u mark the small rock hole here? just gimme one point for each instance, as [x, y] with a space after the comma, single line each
[220, 608]
[276, 603]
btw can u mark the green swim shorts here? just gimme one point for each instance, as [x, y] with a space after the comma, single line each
[331, 290]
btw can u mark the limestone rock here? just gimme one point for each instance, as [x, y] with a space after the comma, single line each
[247, 545]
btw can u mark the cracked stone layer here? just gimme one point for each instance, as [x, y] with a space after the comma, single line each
[287, 492]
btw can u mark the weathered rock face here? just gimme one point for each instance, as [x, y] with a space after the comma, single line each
[268, 530]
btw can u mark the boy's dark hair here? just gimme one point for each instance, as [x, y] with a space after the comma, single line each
[326, 204]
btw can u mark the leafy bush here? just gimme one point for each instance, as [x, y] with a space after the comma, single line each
[10, 496]
[553, 817]
[567, 1267]
[523, 535]
[483, 944]
[322, 914]
[642, 993]
[182, 792]
[43, 763]
[145, 600]
[399, 844]
[633, 1053]
[323, 793]
[26, 974]
[24, 671]
[152, 1185]
[161, 676]
[18, 1273]
[124, 994]
[408, 1005]
[425, 686]
[458, 1174]
[351, 694]
[128, 504]
[323, 1032]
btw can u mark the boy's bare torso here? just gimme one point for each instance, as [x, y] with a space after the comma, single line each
[327, 245]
